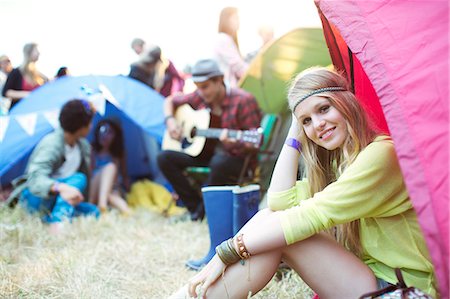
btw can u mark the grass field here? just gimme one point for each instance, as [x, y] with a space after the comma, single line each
[140, 256]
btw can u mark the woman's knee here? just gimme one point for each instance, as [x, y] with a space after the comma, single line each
[111, 167]
[263, 213]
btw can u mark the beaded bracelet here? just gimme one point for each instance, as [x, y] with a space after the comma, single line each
[242, 250]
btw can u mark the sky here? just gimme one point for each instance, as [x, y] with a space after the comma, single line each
[94, 36]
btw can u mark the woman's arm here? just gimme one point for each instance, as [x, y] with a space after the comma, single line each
[268, 234]
[16, 94]
[285, 172]
[264, 231]
[229, 53]
[13, 86]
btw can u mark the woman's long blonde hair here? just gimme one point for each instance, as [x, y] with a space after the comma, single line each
[323, 166]
[224, 23]
[28, 67]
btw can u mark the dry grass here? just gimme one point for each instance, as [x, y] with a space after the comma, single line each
[141, 256]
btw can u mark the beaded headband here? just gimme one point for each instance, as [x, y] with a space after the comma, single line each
[320, 90]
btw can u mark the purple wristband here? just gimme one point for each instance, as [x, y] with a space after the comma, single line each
[294, 143]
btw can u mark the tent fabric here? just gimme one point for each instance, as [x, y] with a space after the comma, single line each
[402, 47]
[135, 105]
[349, 65]
[269, 73]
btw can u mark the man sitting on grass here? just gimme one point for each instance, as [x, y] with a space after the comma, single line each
[58, 169]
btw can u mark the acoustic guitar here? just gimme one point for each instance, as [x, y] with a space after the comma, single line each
[197, 127]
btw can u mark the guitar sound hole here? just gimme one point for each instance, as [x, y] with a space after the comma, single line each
[193, 132]
[185, 143]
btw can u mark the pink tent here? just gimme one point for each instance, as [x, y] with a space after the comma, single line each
[396, 54]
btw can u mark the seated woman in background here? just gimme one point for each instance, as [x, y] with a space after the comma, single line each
[108, 167]
[22, 80]
[343, 229]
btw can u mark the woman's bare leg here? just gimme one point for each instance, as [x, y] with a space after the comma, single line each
[108, 176]
[327, 267]
[119, 203]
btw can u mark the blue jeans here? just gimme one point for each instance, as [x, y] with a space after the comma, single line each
[56, 209]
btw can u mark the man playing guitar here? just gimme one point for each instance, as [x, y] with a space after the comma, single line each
[233, 109]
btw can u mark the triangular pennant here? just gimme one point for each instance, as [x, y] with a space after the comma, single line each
[99, 102]
[27, 122]
[4, 121]
[52, 117]
[108, 95]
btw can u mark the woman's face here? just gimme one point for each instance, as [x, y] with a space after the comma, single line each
[106, 135]
[34, 55]
[322, 122]
[234, 22]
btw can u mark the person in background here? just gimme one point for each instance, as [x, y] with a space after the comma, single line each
[57, 174]
[109, 168]
[138, 45]
[25, 78]
[344, 228]
[62, 72]
[237, 110]
[266, 34]
[158, 72]
[5, 69]
[226, 47]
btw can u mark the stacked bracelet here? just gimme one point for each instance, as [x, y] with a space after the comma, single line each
[226, 252]
[294, 143]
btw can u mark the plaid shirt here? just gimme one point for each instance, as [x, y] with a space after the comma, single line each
[240, 111]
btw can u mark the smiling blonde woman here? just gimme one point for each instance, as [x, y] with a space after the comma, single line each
[345, 227]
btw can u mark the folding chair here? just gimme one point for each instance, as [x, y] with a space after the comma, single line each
[271, 124]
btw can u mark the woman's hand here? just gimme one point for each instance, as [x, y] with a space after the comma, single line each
[206, 277]
[295, 128]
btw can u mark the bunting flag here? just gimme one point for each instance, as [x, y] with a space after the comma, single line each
[4, 121]
[52, 117]
[27, 122]
[99, 102]
[108, 95]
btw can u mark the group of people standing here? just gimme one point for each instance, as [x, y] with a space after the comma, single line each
[343, 228]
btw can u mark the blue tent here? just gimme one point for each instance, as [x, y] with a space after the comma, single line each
[138, 108]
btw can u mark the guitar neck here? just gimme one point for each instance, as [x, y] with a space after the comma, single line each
[215, 133]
